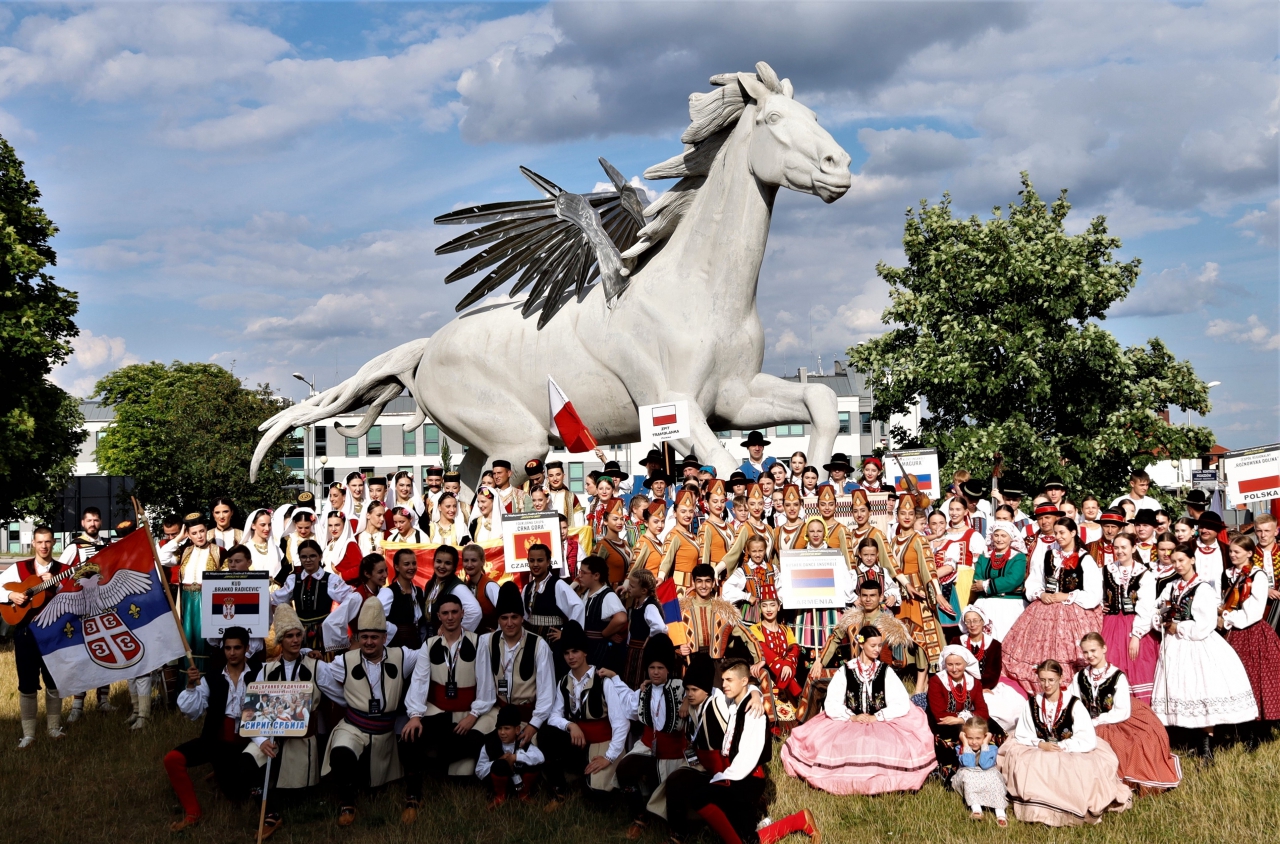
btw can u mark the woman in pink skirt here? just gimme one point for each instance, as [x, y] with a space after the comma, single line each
[1244, 602]
[1129, 609]
[1064, 586]
[870, 738]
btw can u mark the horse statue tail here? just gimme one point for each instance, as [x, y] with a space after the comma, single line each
[376, 384]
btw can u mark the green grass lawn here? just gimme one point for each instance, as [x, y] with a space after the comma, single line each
[104, 783]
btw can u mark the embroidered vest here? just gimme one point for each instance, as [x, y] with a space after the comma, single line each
[524, 681]
[359, 692]
[1117, 600]
[1105, 698]
[402, 615]
[1063, 730]
[853, 691]
[593, 707]
[463, 679]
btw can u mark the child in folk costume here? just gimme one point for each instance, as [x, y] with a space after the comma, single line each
[733, 809]
[371, 681]
[682, 552]
[999, 577]
[1244, 603]
[1125, 722]
[714, 624]
[921, 592]
[870, 738]
[613, 547]
[1056, 770]
[644, 620]
[1200, 681]
[789, 526]
[814, 626]
[753, 528]
[506, 762]
[716, 533]
[868, 564]
[705, 714]
[1064, 587]
[297, 760]
[661, 748]
[743, 587]
[977, 780]
[1129, 609]
[1004, 697]
[589, 722]
[776, 659]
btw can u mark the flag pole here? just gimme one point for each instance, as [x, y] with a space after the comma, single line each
[262, 813]
[140, 515]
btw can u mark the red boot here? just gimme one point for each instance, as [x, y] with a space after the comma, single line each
[798, 822]
[527, 783]
[500, 785]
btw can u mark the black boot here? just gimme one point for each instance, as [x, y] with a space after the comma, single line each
[1252, 735]
[1206, 749]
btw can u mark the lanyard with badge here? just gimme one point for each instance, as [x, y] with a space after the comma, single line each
[508, 666]
[375, 704]
[451, 661]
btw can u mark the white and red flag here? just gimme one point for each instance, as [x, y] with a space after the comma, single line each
[565, 422]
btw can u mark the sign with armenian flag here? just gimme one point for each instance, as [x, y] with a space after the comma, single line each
[812, 579]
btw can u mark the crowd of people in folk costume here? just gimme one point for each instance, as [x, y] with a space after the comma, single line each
[1087, 634]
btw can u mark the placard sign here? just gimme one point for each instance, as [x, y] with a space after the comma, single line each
[921, 462]
[812, 578]
[520, 531]
[1253, 474]
[662, 422]
[276, 710]
[235, 599]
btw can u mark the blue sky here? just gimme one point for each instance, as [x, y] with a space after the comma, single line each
[254, 185]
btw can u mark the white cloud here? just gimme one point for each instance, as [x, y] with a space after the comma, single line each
[1262, 225]
[1251, 331]
[903, 152]
[93, 356]
[1172, 291]
[787, 341]
[646, 193]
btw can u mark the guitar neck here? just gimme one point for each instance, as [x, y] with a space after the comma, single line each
[51, 582]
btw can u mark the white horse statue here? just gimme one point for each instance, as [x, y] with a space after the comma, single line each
[675, 318]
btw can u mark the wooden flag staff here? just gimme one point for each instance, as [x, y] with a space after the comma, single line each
[140, 515]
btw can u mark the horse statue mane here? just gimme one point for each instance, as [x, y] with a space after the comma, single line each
[674, 319]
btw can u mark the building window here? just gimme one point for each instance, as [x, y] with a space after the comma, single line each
[326, 476]
[373, 441]
[296, 454]
[790, 431]
[410, 442]
[575, 477]
[430, 439]
[725, 435]
[864, 419]
[322, 443]
[353, 447]
[845, 423]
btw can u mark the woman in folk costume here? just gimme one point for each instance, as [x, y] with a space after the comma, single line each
[1244, 603]
[682, 552]
[716, 533]
[192, 560]
[1064, 586]
[790, 530]
[1129, 609]
[487, 523]
[860, 507]
[999, 578]
[837, 534]
[605, 486]
[337, 499]
[869, 738]
[921, 592]
[257, 538]
[660, 750]
[754, 526]
[644, 620]
[613, 545]
[814, 626]
[297, 760]
[955, 695]
[748, 580]
[1004, 697]
[404, 521]
[960, 547]
[1200, 680]
[405, 494]
[1057, 771]
[649, 551]
[1137, 737]
[371, 528]
[775, 660]
[356, 482]
[341, 551]
[447, 528]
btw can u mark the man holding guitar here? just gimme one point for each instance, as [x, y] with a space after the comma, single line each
[21, 599]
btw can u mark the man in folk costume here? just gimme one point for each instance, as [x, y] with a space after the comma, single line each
[26, 654]
[921, 591]
[1266, 558]
[87, 542]
[535, 475]
[1212, 556]
[789, 532]
[712, 621]
[754, 526]
[192, 554]
[1043, 540]
[484, 588]
[371, 681]
[1144, 535]
[731, 802]
[755, 462]
[452, 700]
[977, 508]
[521, 662]
[549, 602]
[223, 533]
[445, 581]
[434, 486]
[682, 550]
[220, 699]
[838, 471]
[604, 617]
[1102, 551]
[613, 547]
[661, 748]
[297, 759]
[511, 499]
[563, 499]
[313, 591]
[589, 722]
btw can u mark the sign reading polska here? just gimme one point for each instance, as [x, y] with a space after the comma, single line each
[521, 531]
[662, 422]
[235, 599]
[276, 710]
[1253, 474]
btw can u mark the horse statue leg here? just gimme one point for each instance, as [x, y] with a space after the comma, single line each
[772, 400]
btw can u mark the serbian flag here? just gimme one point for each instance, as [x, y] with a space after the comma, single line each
[565, 422]
[669, 599]
[111, 623]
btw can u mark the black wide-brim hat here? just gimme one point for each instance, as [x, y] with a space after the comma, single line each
[612, 469]
[754, 438]
[838, 461]
[1211, 520]
[1197, 498]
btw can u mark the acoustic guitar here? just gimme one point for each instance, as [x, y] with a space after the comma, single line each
[37, 589]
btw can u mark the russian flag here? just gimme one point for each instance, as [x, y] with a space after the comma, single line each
[565, 422]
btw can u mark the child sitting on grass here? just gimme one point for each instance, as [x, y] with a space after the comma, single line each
[978, 781]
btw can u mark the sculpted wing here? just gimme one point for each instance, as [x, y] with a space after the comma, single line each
[552, 247]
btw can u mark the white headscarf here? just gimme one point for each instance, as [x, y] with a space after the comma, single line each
[414, 503]
[335, 550]
[269, 562]
[1015, 535]
[970, 661]
[980, 613]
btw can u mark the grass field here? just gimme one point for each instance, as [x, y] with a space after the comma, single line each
[104, 783]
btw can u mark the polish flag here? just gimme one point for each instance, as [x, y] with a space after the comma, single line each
[565, 422]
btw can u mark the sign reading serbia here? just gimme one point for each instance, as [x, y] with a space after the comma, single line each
[662, 422]
[521, 531]
[235, 599]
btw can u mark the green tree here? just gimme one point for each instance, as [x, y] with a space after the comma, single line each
[185, 433]
[994, 324]
[40, 423]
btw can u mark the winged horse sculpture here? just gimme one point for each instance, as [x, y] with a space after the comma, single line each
[639, 305]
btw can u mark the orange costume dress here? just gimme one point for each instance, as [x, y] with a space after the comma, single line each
[913, 565]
